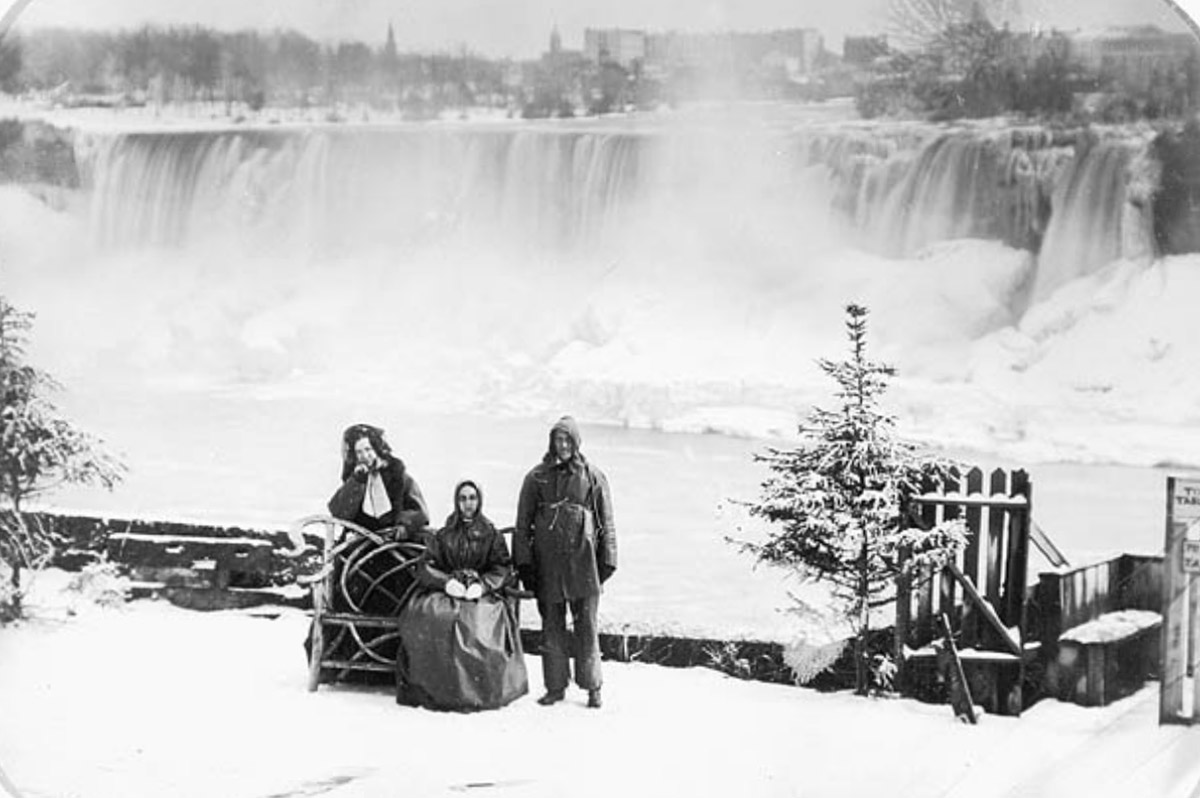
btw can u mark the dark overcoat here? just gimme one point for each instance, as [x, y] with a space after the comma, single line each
[456, 653]
[565, 538]
[408, 505]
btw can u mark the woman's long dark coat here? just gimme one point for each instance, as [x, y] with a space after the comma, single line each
[408, 505]
[455, 653]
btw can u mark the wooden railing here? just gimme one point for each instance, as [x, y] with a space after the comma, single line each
[1068, 598]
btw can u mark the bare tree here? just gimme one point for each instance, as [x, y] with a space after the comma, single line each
[917, 24]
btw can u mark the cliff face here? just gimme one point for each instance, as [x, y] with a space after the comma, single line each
[1177, 202]
[35, 153]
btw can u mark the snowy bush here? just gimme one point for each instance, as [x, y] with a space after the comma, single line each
[883, 673]
[9, 606]
[100, 584]
[807, 660]
[726, 658]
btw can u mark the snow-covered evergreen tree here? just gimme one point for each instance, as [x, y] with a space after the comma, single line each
[836, 502]
[39, 451]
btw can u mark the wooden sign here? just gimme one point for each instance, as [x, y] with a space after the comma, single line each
[1181, 604]
[1191, 556]
[1185, 501]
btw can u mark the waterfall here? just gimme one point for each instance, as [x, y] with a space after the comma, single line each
[1092, 224]
[320, 191]
[650, 274]
[593, 192]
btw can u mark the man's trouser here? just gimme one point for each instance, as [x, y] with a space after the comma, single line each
[557, 644]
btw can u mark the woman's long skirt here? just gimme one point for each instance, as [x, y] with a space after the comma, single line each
[460, 655]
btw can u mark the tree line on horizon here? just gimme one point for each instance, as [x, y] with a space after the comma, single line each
[956, 65]
[194, 63]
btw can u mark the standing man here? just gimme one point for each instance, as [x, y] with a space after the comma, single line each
[565, 548]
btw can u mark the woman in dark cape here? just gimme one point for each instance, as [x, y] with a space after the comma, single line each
[460, 639]
[377, 491]
[378, 494]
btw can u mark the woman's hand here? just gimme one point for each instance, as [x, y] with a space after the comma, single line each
[467, 576]
[474, 592]
[455, 589]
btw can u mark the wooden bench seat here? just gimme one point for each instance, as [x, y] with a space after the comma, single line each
[1106, 658]
[364, 580]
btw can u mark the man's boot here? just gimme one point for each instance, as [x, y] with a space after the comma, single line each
[594, 701]
[551, 697]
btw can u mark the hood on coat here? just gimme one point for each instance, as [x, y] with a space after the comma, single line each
[568, 425]
[453, 519]
[378, 442]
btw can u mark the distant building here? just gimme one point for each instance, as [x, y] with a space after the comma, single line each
[799, 48]
[1131, 57]
[556, 58]
[555, 82]
[615, 45]
[708, 51]
[1029, 46]
[862, 51]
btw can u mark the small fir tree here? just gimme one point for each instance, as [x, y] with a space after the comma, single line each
[837, 502]
[39, 451]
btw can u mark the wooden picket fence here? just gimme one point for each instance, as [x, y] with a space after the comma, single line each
[982, 593]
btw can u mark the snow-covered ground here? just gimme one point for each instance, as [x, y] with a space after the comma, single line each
[147, 700]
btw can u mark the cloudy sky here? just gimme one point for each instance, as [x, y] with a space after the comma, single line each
[520, 28]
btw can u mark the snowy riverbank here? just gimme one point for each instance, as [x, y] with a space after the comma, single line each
[196, 705]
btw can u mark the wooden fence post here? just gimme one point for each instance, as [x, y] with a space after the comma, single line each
[903, 620]
[997, 484]
[1018, 551]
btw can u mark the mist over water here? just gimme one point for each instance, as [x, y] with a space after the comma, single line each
[682, 276]
[334, 254]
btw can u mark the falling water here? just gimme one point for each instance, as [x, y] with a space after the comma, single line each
[1093, 223]
[317, 191]
[567, 190]
[638, 272]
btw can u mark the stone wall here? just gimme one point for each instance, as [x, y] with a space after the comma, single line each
[209, 567]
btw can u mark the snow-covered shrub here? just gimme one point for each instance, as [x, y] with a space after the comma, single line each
[883, 673]
[100, 584]
[9, 605]
[726, 658]
[808, 660]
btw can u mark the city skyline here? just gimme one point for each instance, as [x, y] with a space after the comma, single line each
[521, 29]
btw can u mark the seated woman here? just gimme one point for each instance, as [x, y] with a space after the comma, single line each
[460, 641]
[377, 491]
[378, 494]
